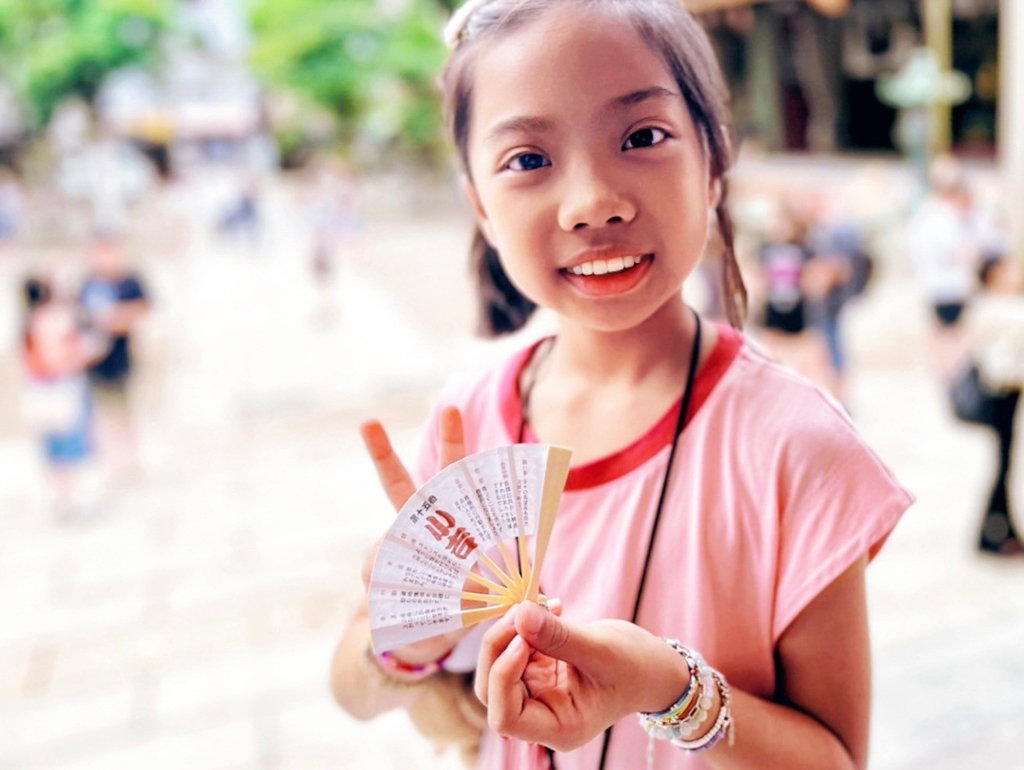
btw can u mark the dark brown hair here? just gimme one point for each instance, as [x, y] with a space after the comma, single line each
[672, 32]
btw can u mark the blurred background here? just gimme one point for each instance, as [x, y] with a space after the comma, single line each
[230, 231]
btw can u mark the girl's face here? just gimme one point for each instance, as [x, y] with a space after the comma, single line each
[584, 159]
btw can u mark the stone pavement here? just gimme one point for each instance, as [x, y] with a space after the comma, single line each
[192, 624]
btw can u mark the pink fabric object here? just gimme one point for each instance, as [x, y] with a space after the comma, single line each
[773, 495]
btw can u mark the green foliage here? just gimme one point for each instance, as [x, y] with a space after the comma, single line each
[374, 71]
[53, 49]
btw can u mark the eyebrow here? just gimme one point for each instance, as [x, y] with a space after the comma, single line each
[543, 125]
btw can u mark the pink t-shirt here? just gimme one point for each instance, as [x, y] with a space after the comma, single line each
[773, 495]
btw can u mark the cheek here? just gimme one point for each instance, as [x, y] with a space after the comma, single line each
[522, 238]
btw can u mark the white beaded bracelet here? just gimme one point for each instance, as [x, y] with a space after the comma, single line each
[723, 724]
[671, 726]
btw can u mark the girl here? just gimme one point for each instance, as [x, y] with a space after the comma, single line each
[56, 352]
[715, 499]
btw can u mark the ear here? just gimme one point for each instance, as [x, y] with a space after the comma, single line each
[482, 220]
[714, 192]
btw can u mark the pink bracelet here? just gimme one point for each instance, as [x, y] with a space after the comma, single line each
[409, 672]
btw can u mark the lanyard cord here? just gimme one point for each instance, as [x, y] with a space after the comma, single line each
[684, 409]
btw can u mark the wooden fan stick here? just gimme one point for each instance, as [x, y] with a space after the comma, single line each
[472, 617]
[509, 582]
[518, 581]
[554, 482]
[524, 560]
[481, 614]
[492, 586]
[472, 596]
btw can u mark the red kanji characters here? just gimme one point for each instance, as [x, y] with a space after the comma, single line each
[461, 544]
[439, 529]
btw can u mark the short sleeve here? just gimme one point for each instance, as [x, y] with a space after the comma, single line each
[837, 502]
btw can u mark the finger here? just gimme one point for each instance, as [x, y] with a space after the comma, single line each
[546, 632]
[493, 644]
[453, 442]
[506, 688]
[393, 476]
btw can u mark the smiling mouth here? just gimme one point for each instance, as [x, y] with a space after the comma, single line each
[607, 266]
[604, 277]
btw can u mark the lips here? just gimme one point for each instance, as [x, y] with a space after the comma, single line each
[610, 276]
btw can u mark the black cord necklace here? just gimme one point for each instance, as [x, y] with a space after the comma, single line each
[680, 424]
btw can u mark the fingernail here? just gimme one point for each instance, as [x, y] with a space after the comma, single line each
[554, 604]
[516, 645]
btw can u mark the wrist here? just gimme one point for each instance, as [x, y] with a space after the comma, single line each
[700, 717]
[673, 677]
[391, 670]
[418, 656]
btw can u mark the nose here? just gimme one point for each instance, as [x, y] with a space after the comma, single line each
[591, 199]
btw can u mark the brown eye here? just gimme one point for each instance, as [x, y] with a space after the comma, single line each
[645, 137]
[528, 161]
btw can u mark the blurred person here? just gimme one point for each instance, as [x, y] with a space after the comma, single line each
[335, 223]
[945, 253]
[115, 302]
[598, 207]
[239, 217]
[12, 206]
[995, 341]
[838, 271]
[783, 259]
[56, 352]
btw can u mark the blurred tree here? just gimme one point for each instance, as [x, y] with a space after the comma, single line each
[53, 49]
[371, 63]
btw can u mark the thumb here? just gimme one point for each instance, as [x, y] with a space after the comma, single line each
[546, 632]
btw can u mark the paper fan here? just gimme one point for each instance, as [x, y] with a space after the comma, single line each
[437, 569]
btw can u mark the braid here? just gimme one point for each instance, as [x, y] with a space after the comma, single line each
[735, 298]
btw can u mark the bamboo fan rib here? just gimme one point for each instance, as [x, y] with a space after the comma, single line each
[447, 562]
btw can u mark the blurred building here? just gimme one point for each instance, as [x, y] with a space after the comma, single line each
[204, 105]
[804, 74]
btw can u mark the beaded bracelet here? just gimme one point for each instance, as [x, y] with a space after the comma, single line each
[690, 722]
[690, 712]
[723, 724]
[395, 673]
[671, 715]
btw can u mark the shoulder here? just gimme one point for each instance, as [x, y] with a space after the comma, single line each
[786, 426]
[779, 399]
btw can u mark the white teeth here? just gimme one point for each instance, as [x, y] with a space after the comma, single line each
[603, 266]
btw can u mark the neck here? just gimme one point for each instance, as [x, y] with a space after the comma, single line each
[627, 357]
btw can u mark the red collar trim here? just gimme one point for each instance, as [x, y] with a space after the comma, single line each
[644, 448]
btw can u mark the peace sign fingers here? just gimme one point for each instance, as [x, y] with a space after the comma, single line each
[395, 479]
[398, 484]
[453, 442]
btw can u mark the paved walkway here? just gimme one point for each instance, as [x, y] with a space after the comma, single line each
[192, 624]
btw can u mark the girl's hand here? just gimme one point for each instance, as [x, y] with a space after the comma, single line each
[558, 684]
[399, 487]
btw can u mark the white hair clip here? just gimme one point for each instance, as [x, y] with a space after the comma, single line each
[456, 26]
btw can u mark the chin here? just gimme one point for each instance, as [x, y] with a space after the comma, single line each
[611, 322]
